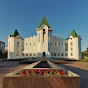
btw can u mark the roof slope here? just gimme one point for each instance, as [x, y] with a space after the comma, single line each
[44, 21]
[15, 33]
[74, 34]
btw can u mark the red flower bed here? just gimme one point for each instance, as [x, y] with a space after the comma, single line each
[41, 72]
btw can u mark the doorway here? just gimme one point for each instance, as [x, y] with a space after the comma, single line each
[44, 54]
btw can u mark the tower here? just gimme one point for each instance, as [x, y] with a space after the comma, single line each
[74, 46]
[44, 38]
[15, 45]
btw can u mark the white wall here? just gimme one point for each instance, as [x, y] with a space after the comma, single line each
[35, 45]
[56, 48]
[12, 47]
[76, 47]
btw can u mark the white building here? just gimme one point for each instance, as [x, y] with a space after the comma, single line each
[2, 46]
[44, 42]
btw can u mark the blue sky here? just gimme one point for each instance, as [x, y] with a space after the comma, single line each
[62, 16]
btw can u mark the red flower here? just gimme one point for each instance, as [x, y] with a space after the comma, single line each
[44, 72]
[35, 70]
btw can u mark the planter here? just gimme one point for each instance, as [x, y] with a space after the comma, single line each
[68, 80]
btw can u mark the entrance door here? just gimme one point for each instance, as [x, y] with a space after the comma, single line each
[44, 54]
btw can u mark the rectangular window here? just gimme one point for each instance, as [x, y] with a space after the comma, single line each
[58, 44]
[17, 54]
[30, 54]
[58, 54]
[51, 44]
[66, 46]
[34, 54]
[26, 54]
[54, 54]
[51, 54]
[30, 44]
[71, 43]
[71, 48]
[17, 48]
[62, 44]
[34, 43]
[9, 45]
[23, 54]
[55, 44]
[66, 54]
[39, 37]
[71, 54]
[62, 54]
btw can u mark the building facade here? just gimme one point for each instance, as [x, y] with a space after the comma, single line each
[2, 46]
[44, 42]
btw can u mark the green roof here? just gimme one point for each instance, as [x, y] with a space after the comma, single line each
[44, 21]
[74, 34]
[15, 33]
[78, 36]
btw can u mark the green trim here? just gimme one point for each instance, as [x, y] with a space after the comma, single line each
[44, 21]
[15, 33]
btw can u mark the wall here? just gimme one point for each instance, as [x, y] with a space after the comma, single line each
[57, 47]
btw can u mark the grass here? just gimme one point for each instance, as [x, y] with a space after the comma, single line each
[83, 60]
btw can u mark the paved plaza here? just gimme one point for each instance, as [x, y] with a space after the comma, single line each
[10, 66]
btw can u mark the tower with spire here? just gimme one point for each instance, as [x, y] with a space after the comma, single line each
[44, 33]
[74, 45]
[44, 43]
[15, 43]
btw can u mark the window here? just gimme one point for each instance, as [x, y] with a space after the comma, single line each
[58, 54]
[51, 54]
[43, 30]
[26, 54]
[30, 54]
[30, 44]
[17, 44]
[71, 48]
[34, 54]
[66, 54]
[71, 38]
[62, 44]
[39, 37]
[51, 44]
[17, 48]
[26, 44]
[55, 44]
[34, 43]
[62, 54]
[9, 45]
[54, 54]
[23, 54]
[71, 54]
[71, 43]
[17, 54]
[43, 34]
[66, 46]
